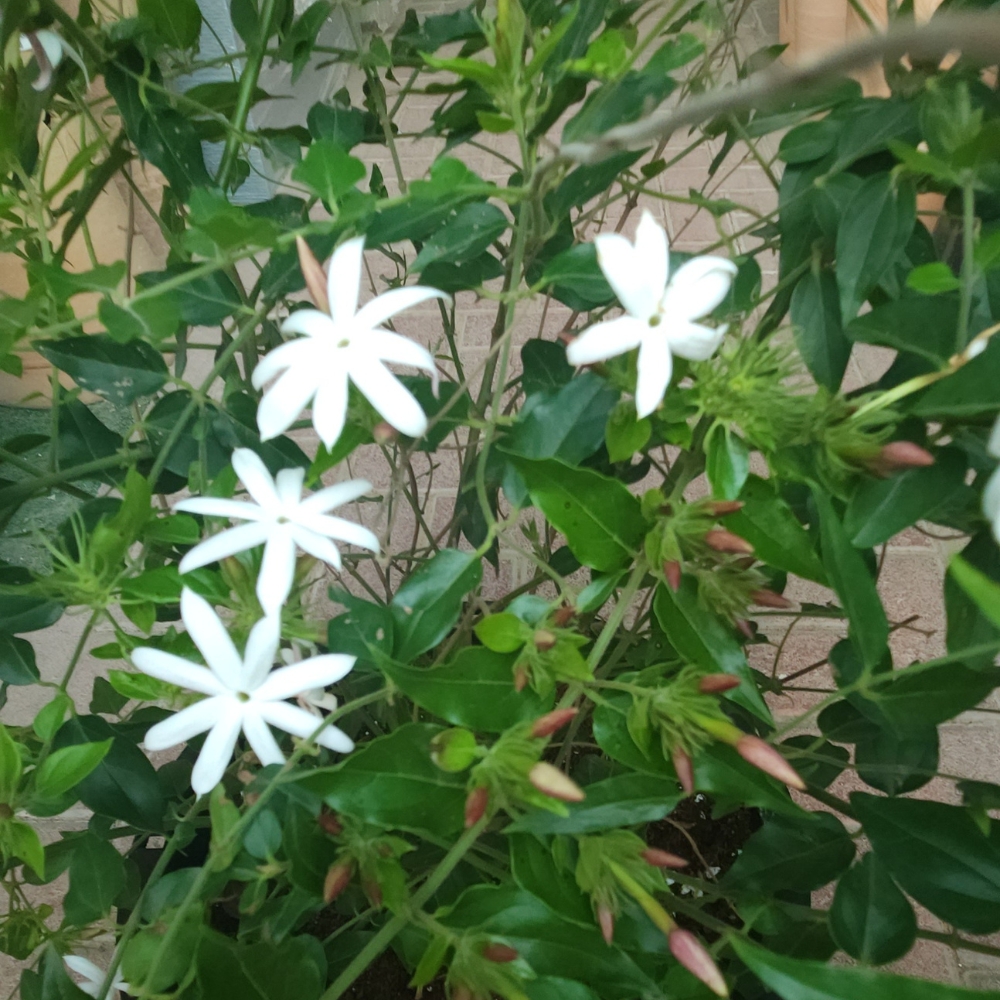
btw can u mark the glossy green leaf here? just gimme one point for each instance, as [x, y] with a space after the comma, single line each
[819, 333]
[553, 988]
[23, 842]
[178, 22]
[64, 769]
[896, 764]
[626, 433]
[968, 392]
[727, 462]
[262, 970]
[932, 279]
[475, 689]
[328, 171]
[150, 319]
[801, 854]
[503, 633]
[10, 766]
[599, 517]
[939, 855]
[535, 869]
[468, 233]
[979, 587]
[545, 366]
[118, 372]
[393, 783]
[428, 603]
[17, 661]
[970, 625]
[576, 278]
[64, 284]
[920, 326]
[809, 141]
[870, 918]
[96, 876]
[344, 125]
[200, 300]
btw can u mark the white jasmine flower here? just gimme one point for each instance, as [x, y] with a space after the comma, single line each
[49, 49]
[279, 519]
[660, 316]
[318, 698]
[344, 344]
[93, 977]
[242, 693]
[991, 495]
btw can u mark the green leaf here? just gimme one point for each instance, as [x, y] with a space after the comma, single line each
[854, 585]
[96, 876]
[64, 769]
[802, 854]
[228, 226]
[150, 319]
[475, 689]
[10, 766]
[932, 279]
[465, 235]
[881, 508]
[118, 372]
[626, 433]
[545, 366]
[795, 979]
[939, 855]
[202, 300]
[576, 278]
[17, 660]
[64, 284]
[392, 782]
[819, 333]
[776, 534]
[23, 842]
[870, 918]
[969, 392]
[535, 869]
[727, 462]
[260, 970]
[809, 141]
[896, 764]
[503, 633]
[178, 22]
[343, 125]
[328, 171]
[980, 588]
[874, 229]
[601, 520]
[50, 717]
[702, 638]
[427, 605]
[625, 800]
[920, 326]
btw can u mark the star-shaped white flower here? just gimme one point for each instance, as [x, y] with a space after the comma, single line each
[93, 977]
[660, 316]
[991, 495]
[242, 693]
[49, 49]
[279, 519]
[344, 344]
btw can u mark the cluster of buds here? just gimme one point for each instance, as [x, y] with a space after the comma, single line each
[483, 968]
[371, 856]
[549, 652]
[616, 864]
[511, 775]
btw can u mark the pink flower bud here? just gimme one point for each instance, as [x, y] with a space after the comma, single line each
[725, 541]
[497, 952]
[563, 615]
[475, 806]
[662, 859]
[329, 823]
[384, 433]
[374, 893]
[552, 722]
[551, 781]
[717, 683]
[672, 574]
[520, 679]
[691, 953]
[544, 640]
[720, 508]
[769, 599]
[337, 879]
[764, 757]
[684, 769]
[607, 921]
[744, 627]
[899, 455]
[312, 271]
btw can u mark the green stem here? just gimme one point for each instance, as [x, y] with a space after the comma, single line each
[381, 941]
[968, 261]
[26, 466]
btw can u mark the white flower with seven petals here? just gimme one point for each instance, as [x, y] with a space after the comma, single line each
[242, 693]
[991, 495]
[93, 977]
[660, 315]
[279, 519]
[346, 344]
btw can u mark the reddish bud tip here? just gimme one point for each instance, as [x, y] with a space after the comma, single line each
[329, 823]
[717, 683]
[899, 455]
[607, 921]
[662, 859]
[764, 757]
[769, 599]
[684, 769]
[552, 722]
[475, 805]
[720, 508]
[725, 541]
[520, 679]
[500, 953]
[544, 640]
[374, 893]
[384, 433]
[312, 271]
[461, 992]
[337, 879]
[551, 781]
[672, 574]
[563, 615]
[744, 627]
[691, 953]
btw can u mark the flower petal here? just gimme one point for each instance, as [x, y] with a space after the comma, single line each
[607, 340]
[261, 651]
[317, 546]
[217, 750]
[652, 250]
[219, 507]
[286, 399]
[344, 281]
[341, 529]
[307, 323]
[277, 570]
[394, 301]
[226, 543]
[991, 501]
[288, 484]
[335, 496]
[388, 346]
[316, 672]
[84, 967]
[694, 341]
[286, 356]
[993, 445]
[655, 368]
[627, 275]
[176, 670]
[255, 476]
[261, 739]
[301, 723]
[389, 396]
[698, 287]
[330, 408]
[212, 639]
[185, 724]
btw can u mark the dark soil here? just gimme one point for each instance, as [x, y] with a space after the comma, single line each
[387, 979]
